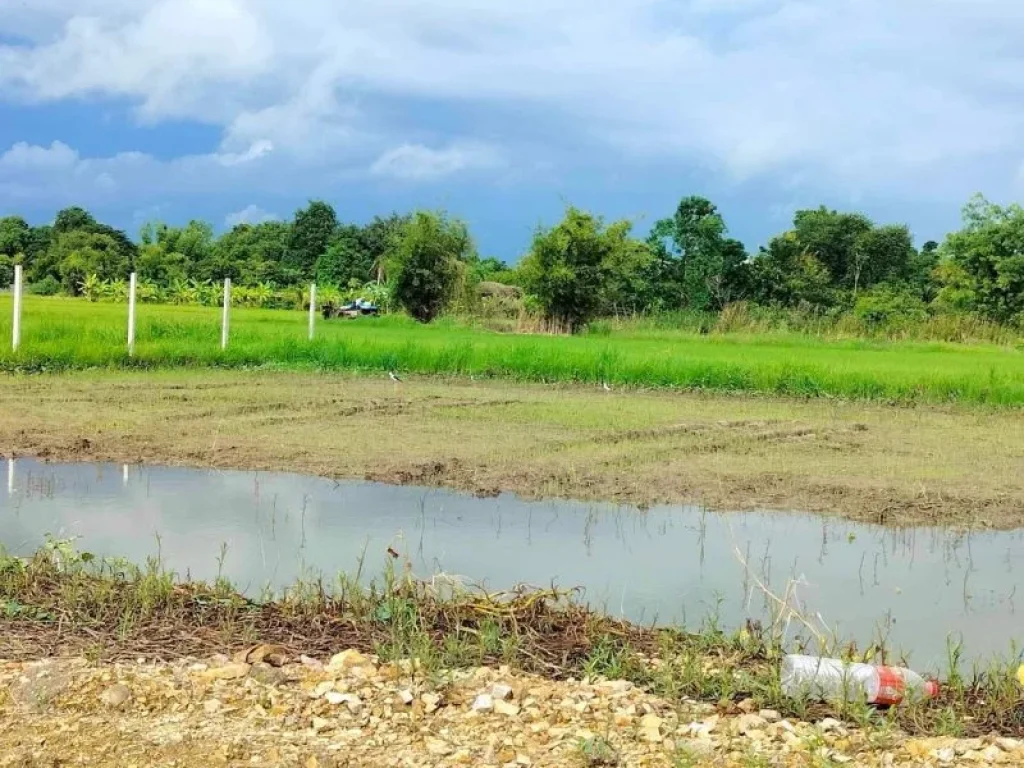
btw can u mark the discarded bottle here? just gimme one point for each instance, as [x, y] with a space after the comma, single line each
[824, 679]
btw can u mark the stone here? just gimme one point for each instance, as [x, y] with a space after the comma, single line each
[39, 684]
[212, 706]
[506, 708]
[431, 702]
[334, 698]
[353, 703]
[231, 671]
[945, 755]
[483, 703]
[749, 723]
[747, 706]
[406, 697]
[348, 660]
[829, 725]
[263, 672]
[770, 715]
[322, 689]
[650, 728]
[275, 655]
[501, 691]
[991, 754]
[115, 696]
[438, 747]
[321, 724]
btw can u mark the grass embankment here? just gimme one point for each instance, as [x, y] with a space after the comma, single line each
[61, 601]
[61, 334]
[926, 465]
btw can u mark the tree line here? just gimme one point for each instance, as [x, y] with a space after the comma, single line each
[581, 268]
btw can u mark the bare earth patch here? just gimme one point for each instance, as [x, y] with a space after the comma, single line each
[900, 466]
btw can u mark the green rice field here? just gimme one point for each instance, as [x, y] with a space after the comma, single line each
[67, 334]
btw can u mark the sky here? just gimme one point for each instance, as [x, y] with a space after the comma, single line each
[502, 113]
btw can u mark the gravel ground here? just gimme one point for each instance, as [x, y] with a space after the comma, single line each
[263, 708]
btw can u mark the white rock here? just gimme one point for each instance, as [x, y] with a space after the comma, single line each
[406, 696]
[501, 691]
[770, 715]
[334, 697]
[483, 703]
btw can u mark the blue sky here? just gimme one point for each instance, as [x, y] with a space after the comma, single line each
[501, 112]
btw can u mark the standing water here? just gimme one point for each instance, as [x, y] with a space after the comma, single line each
[913, 587]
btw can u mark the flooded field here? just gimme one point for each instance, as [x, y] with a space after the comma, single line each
[916, 588]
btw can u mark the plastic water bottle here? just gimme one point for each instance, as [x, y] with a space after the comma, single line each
[824, 679]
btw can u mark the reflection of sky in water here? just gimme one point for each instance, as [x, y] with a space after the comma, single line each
[666, 564]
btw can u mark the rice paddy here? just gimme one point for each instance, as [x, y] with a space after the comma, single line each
[67, 334]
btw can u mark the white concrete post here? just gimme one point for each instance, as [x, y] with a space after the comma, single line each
[312, 310]
[225, 319]
[16, 323]
[131, 315]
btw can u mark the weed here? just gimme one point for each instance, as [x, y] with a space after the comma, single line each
[597, 752]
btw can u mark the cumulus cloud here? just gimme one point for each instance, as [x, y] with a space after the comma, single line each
[25, 156]
[415, 162]
[251, 214]
[920, 95]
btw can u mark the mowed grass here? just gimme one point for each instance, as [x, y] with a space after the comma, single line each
[66, 334]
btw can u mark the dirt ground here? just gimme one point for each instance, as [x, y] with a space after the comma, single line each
[901, 466]
[352, 711]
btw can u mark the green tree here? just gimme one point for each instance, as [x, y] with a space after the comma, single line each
[428, 261]
[580, 265]
[311, 234]
[80, 254]
[695, 264]
[345, 260]
[252, 254]
[788, 274]
[989, 252]
[15, 236]
[379, 238]
[857, 254]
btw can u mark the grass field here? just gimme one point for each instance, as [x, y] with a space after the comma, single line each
[63, 334]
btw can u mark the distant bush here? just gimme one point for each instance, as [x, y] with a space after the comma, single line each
[48, 286]
[886, 306]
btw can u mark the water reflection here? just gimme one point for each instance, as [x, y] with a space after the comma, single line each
[912, 586]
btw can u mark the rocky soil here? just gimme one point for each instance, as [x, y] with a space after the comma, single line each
[263, 708]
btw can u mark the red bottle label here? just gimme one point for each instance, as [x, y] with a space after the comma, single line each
[891, 688]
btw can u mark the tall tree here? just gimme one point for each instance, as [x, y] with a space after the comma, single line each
[311, 234]
[429, 260]
[379, 238]
[347, 259]
[80, 254]
[989, 254]
[695, 261]
[576, 266]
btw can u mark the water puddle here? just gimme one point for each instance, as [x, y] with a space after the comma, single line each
[916, 587]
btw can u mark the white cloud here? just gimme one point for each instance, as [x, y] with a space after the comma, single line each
[28, 156]
[415, 162]
[251, 214]
[255, 151]
[922, 96]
